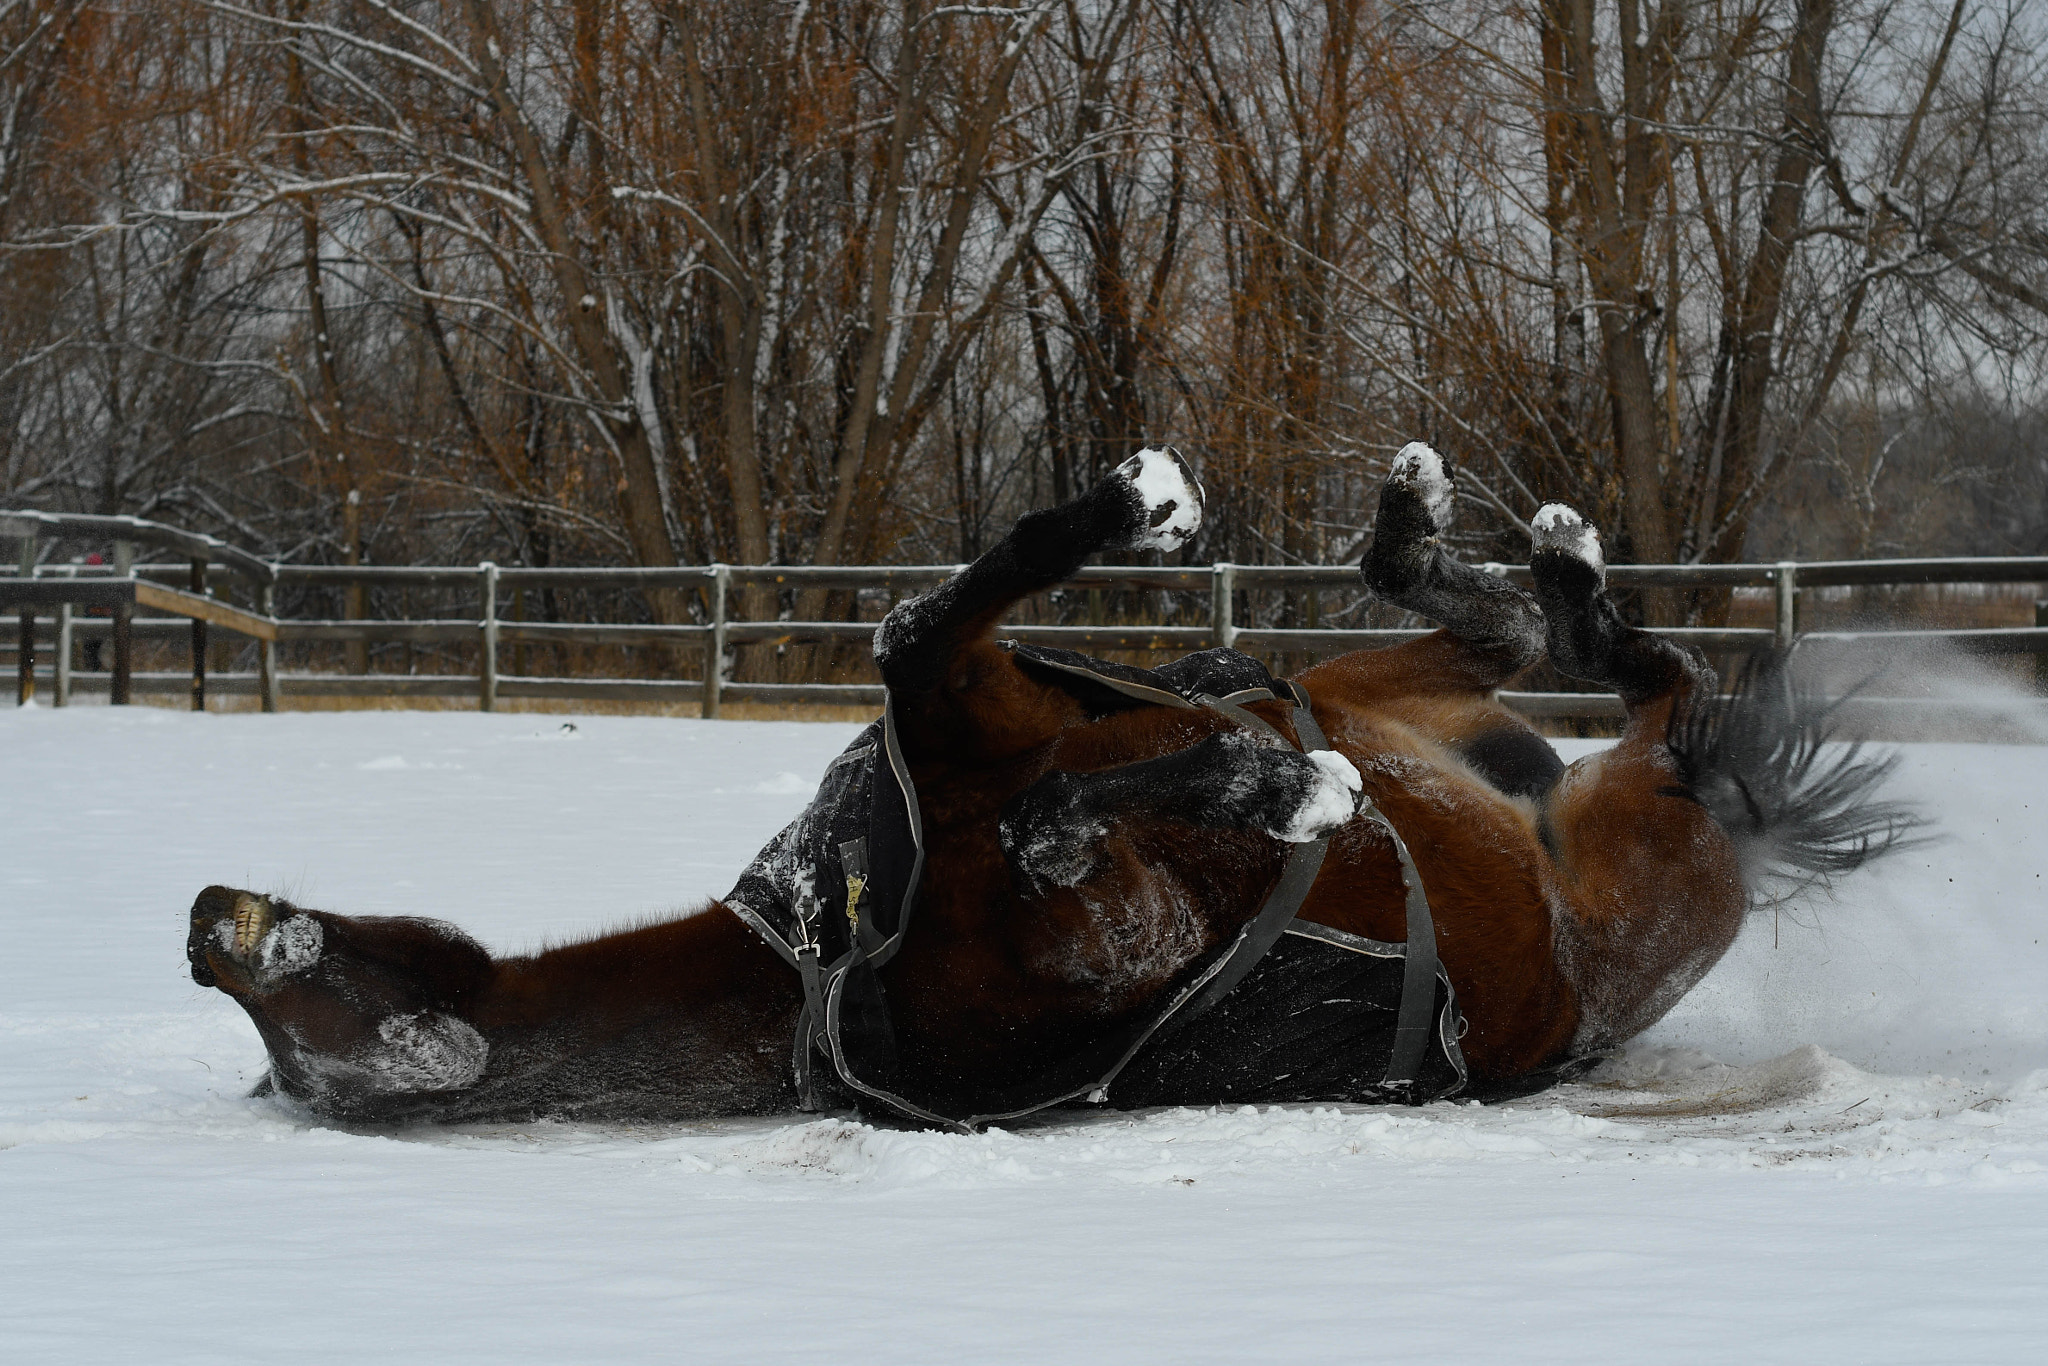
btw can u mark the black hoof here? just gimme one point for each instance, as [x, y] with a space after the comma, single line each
[1414, 512]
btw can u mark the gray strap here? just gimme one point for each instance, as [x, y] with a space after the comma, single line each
[1304, 862]
[1417, 1021]
[1137, 691]
[892, 750]
[1418, 978]
[1304, 720]
[813, 1017]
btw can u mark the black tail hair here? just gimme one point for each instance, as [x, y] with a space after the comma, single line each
[1800, 816]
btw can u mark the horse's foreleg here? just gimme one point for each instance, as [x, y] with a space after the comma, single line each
[935, 651]
[1131, 873]
[1055, 831]
[386, 1019]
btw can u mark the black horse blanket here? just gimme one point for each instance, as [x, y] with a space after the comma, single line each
[1304, 1013]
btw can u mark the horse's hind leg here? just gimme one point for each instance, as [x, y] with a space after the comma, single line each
[1588, 638]
[1498, 625]
[1442, 686]
[1652, 888]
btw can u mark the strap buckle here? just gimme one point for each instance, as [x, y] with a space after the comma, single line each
[853, 857]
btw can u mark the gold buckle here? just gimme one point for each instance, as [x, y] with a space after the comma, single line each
[856, 883]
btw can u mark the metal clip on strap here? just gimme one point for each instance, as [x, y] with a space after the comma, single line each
[813, 1018]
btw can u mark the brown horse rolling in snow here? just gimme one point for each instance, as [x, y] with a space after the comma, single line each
[1088, 857]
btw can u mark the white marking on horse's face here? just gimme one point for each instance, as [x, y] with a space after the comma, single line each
[1419, 467]
[1171, 498]
[282, 949]
[1559, 528]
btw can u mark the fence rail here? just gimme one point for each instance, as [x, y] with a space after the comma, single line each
[210, 565]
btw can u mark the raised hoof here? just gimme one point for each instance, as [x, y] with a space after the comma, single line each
[1566, 545]
[245, 942]
[1414, 512]
[1169, 500]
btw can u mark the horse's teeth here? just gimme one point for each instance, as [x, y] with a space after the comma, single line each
[252, 922]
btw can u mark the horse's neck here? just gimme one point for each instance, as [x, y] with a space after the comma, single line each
[698, 1008]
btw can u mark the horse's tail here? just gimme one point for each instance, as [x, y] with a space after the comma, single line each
[1801, 807]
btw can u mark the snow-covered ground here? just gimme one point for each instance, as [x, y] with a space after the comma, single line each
[1835, 1150]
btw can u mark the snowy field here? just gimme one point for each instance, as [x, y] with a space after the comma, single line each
[1835, 1150]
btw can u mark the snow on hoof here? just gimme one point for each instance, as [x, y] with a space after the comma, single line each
[1420, 472]
[1414, 512]
[1169, 499]
[245, 937]
[1332, 799]
[1559, 531]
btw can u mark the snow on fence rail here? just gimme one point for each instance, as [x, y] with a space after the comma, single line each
[209, 564]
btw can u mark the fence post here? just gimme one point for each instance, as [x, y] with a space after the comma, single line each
[1787, 583]
[25, 656]
[197, 581]
[714, 650]
[62, 684]
[487, 664]
[124, 634]
[1222, 588]
[2041, 656]
[266, 650]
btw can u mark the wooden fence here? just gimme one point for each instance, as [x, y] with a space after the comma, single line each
[211, 570]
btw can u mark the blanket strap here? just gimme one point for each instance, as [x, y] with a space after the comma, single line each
[1303, 862]
[1419, 972]
[1417, 1018]
[812, 1020]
